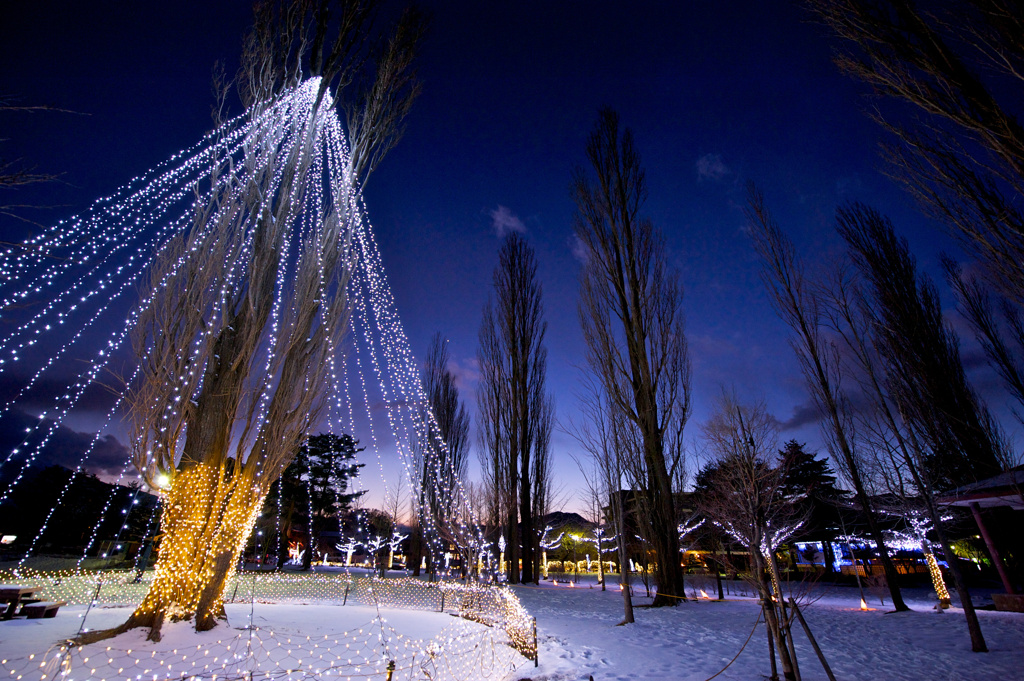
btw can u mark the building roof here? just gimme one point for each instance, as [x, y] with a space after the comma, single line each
[1005, 489]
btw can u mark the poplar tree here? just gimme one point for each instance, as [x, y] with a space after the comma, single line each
[630, 311]
[515, 411]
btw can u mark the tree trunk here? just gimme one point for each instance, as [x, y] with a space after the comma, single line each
[513, 548]
[718, 578]
[891, 575]
[771, 617]
[620, 526]
[977, 639]
[307, 555]
[282, 551]
[784, 618]
[664, 531]
[415, 550]
[973, 626]
[208, 516]
[526, 525]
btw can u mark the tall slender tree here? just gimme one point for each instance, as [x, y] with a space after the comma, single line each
[446, 435]
[800, 307]
[597, 434]
[631, 313]
[947, 432]
[1001, 334]
[516, 413]
[921, 353]
[902, 456]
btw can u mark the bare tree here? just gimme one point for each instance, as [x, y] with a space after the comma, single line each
[450, 415]
[235, 340]
[445, 441]
[798, 305]
[745, 497]
[948, 435]
[497, 458]
[960, 68]
[14, 173]
[921, 353]
[515, 411]
[631, 314]
[1001, 339]
[330, 39]
[903, 461]
[544, 494]
[395, 499]
[596, 433]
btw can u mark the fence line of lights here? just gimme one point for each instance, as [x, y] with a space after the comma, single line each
[506, 640]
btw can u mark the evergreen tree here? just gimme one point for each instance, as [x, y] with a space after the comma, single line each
[703, 480]
[807, 474]
[813, 478]
[314, 489]
[330, 463]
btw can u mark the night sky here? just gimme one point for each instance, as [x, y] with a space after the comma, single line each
[715, 97]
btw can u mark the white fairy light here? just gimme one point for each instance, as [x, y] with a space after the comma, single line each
[103, 254]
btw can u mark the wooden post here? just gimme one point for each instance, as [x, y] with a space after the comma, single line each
[536, 647]
[810, 637]
[993, 551]
[771, 645]
[785, 624]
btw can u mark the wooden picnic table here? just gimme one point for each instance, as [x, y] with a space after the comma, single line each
[13, 595]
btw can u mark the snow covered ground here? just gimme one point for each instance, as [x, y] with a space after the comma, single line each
[577, 634]
[286, 641]
[578, 639]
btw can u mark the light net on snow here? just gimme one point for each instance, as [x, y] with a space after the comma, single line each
[481, 632]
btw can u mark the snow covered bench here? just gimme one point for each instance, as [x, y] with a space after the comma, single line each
[41, 609]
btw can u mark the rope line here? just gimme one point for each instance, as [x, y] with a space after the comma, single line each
[757, 620]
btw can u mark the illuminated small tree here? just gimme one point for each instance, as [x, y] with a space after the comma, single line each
[348, 546]
[745, 497]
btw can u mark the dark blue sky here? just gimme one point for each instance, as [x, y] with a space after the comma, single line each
[716, 93]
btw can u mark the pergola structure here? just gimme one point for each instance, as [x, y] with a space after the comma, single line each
[1005, 489]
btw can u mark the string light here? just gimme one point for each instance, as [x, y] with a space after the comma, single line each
[83, 273]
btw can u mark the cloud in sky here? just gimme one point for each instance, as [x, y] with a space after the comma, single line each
[66, 447]
[803, 415]
[712, 167]
[505, 221]
[467, 374]
[579, 249]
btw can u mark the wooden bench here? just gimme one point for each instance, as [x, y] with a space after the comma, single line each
[41, 609]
